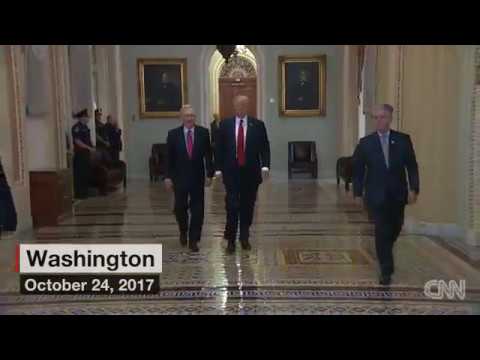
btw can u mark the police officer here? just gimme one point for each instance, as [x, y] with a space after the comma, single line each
[114, 136]
[100, 130]
[82, 154]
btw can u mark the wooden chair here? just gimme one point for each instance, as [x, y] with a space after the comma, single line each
[345, 171]
[158, 161]
[107, 174]
[302, 158]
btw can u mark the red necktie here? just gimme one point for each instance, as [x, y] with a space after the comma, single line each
[241, 145]
[189, 143]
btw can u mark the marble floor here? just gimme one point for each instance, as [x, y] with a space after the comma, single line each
[312, 254]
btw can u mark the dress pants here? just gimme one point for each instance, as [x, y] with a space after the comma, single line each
[192, 198]
[81, 173]
[388, 219]
[114, 155]
[240, 203]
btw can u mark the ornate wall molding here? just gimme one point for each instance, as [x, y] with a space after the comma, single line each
[399, 84]
[17, 106]
[238, 67]
[474, 161]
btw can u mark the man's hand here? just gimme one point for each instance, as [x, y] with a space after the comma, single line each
[218, 174]
[168, 184]
[208, 182]
[265, 173]
[412, 197]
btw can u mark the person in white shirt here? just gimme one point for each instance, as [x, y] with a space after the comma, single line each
[242, 157]
[382, 163]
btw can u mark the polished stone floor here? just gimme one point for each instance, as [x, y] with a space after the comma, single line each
[312, 254]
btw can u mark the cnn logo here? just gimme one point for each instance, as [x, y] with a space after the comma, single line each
[440, 289]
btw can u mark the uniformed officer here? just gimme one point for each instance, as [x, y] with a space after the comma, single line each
[102, 137]
[83, 149]
[114, 135]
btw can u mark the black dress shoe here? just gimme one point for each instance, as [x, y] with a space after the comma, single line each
[245, 245]
[385, 280]
[183, 239]
[231, 247]
[228, 235]
[193, 247]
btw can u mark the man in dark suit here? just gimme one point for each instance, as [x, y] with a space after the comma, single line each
[381, 163]
[214, 125]
[189, 156]
[243, 158]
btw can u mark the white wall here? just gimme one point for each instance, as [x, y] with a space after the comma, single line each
[40, 123]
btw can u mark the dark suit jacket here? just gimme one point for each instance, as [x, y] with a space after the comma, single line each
[380, 183]
[213, 132]
[183, 171]
[257, 151]
[114, 136]
[8, 214]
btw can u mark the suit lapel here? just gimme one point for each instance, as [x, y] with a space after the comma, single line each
[249, 128]
[183, 143]
[195, 141]
[234, 135]
[392, 146]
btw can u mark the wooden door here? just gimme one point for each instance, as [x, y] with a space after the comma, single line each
[229, 88]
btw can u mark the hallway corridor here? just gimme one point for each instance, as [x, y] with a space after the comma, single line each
[312, 254]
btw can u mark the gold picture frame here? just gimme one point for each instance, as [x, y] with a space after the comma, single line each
[162, 86]
[306, 96]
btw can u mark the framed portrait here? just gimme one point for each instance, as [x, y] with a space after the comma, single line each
[162, 87]
[303, 81]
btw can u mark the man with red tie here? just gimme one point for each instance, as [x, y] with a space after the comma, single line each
[189, 157]
[242, 157]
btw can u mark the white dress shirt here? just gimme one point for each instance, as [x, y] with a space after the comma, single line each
[245, 129]
[387, 134]
[386, 151]
[185, 134]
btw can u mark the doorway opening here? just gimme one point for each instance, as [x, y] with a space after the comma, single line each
[237, 77]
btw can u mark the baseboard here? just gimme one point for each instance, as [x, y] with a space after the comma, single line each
[462, 242]
[448, 230]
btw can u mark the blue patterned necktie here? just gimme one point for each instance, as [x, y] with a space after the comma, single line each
[384, 140]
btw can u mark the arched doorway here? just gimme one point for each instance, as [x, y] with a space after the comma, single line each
[237, 77]
[213, 63]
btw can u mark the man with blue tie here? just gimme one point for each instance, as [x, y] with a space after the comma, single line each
[381, 164]
[189, 159]
[242, 157]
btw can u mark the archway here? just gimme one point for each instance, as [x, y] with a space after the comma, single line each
[237, 77]
[212, 63]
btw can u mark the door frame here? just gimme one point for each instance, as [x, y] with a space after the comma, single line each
[247, 81]
[207, 86]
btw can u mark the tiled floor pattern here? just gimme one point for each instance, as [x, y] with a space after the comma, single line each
[312, 254]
